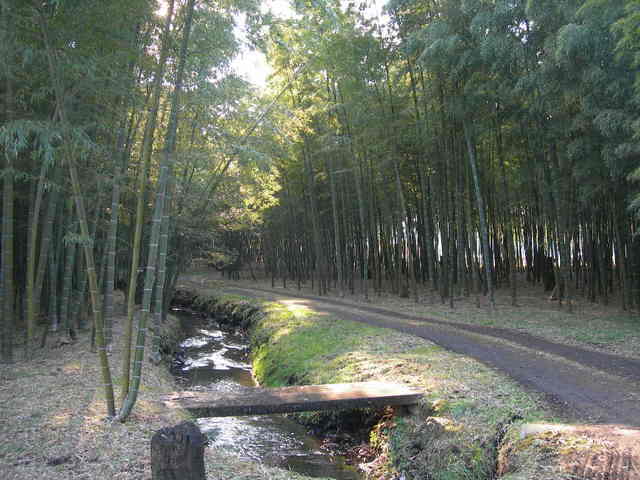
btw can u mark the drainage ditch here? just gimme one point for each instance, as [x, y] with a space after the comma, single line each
[217, 356]
[214, 357]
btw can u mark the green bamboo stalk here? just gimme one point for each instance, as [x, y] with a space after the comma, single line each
[110, 247]
[122, 152]
[337, 244]
[147, 148]
[76, 303]
[82, 272]
[8, 287]
[158, 314]
[358, 174]
[484, 237]
[70, 260]
[93, 288]
[59, 90]
[31, 261]
[45, 242]
[54, 319]
[7, 326]
[315, 222]
[165, 172]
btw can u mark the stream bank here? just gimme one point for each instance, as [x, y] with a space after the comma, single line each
[54, 421]
[214, 357]
[456, 432]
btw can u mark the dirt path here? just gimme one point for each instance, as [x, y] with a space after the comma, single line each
[584, 385]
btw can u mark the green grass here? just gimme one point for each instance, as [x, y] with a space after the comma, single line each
[602, 337]
[301, 348]
[453, 437]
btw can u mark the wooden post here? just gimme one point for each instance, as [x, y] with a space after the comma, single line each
[177, 453]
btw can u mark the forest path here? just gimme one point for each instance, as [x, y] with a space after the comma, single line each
[583, 385]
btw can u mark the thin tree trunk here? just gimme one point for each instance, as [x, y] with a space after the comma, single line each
[121, 153]
[158, 314]
[484, 237]
[82, 215]
[147, 147]
[93, 289]
[364, 231]
[562, 221]
[315, 222]
[337, 243]
[70, 260]
[54, 319]
[7, 308]
[358, 174]
[509, 224]
[165, 173]
[621, 261]
[110, 249]
[45, 242]
[32, 261]
[404, 234]
[8, 287]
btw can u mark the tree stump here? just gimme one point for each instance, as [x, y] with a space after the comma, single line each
[177, 453]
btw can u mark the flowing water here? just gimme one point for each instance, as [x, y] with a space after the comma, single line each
[216, 359]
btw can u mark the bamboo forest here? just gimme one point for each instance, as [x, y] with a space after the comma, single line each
[437, 151]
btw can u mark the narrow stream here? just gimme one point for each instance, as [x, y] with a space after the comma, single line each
[216, 359]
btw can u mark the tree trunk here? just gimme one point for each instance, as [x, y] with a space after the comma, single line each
[147, 147]
[165, 174]
[337, 243]
[30, 297]
[158, 314]
[7, 304]
[8, 287]
[484, 237]
[82, 214]
[45, 242]
[508, 222]
[69, 266]
[320, 263]
[112, 235]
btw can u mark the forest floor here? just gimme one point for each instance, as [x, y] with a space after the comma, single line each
[586, 363]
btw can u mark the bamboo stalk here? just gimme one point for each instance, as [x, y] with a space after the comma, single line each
[165, 173]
